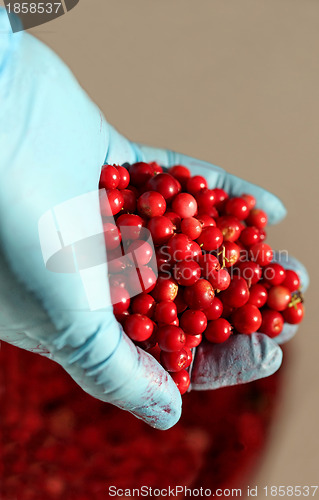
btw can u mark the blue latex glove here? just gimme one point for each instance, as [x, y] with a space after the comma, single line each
[53, 141]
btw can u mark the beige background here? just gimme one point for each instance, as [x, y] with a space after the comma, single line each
[236, 83]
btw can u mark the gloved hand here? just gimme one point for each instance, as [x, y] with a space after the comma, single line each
[53, 141]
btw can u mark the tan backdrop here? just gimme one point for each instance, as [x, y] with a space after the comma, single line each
[236, 83]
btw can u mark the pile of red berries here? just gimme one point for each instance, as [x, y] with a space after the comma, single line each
[187, 262]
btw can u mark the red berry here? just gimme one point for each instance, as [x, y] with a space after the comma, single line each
[250, 271]
[157, 169]
[237, 207]
[164, 184]
[184, 205]
[143, 304]
[215, 310]
[129, 198]
[230, 227]
[250, 200]
[175, 219]
[138, 327]
[208, 264]
[229, 254]
[205, 200]
[166, 289]
[131, 226]
[121, 317]
[196, 184]
[111, 202]
[193, 322]
[140, 253]
[193, 340]
[141, 280]
[171, 338]
[220, 198]
[179, 247]
[257, 218]
[187, 272]
[257, 295]
[218, 331]
[112, 236]
[272, 323]
[237, 294]
[161, 229]
[120, 299]
[220, 279]
[249, 236]
[205, 220]
[278, 297]
[151, 204]
[163, 259]
[140, 173]
[262, 234]
[274, 274]
[294, 314]
[191, 227]
[261, 253]
[174, 361]
[200, 295]
[181, 173]
[109, 178]
[211, 238]
[182, 380]
[179, 301]
[124, 177]
[195, 249]
[246, 319]
[166, 312]
[291, 281]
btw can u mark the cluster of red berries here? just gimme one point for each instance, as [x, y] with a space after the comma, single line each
[215, 271]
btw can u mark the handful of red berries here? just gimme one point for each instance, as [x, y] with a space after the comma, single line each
[186, 261]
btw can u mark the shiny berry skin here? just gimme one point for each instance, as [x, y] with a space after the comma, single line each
[181, 173]
[294, 314]
[179, 247]
[291, 281]
[230, 227]
[246, 319]
[163, 260]
[196, 184]
[157, 169]
[179, 301]
[117, 279]
[227, 311]
[130, 225]
[237, 294]
[140, 253]
[109, 178]
[257, 295]
[193, 340]
[184, 205]
[211, 238]
[176, 220]
[229, 254]
[187, 272]
[205, 200]
[250, 200]
[124, 177]
[161, 229]
[249, 236]
[220, 279]
[205, 220]
[272, 323]
[138, 327]
[200, 295]
[166, 288]
[257, 218]
[278, 297]
[237, 207]
[196, 250]
[262, 234]
[191, 227]
[261, 253]
[112, 236]
[193, 322]
[220, 198]
[120, 299]
[151, 204]
[250, 271]
[174, 361]
[111, 202]
[116, 263]
[142, 281]
[143, 304]
[140, 173]
[129, 198]
[165, 312]
[218, 331]
[181, 380]
[215, 310]
[208, 263]
[171, 338]
[164, 184]
[121, 317]
[274, 274]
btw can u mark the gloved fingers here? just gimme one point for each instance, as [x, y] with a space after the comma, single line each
[217, 177]
[241, 359]
[289, 262]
